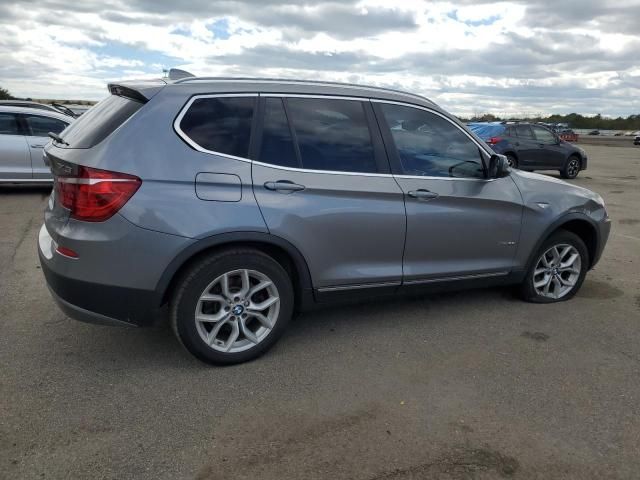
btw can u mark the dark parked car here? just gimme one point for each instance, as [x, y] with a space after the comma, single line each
[528, 146]
[636, 141]
[230, 203]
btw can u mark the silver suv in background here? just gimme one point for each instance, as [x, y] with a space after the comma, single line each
[231, 203]
[23, 135]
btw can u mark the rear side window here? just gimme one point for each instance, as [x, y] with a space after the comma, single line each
[332, 134]
[100, 121]
[8, 124]
[41, 126]
[524, 131]
[277, 144]
[220, 124]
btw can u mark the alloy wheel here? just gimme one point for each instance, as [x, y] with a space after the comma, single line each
[573, 168]
[237, 310]
[557, 271]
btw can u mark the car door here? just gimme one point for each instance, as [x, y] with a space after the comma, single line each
[525, 145]
[323, 183]
[15, 163]
[38, 128]
[459, 223]
[550, 153]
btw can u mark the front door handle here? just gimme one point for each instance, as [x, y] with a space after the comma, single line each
[283, 186]
[37, 146]
[422, 194]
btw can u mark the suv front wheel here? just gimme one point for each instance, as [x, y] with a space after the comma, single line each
[232, 306]
[571, 167]
[558, 270]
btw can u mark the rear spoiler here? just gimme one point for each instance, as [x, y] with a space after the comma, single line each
[138, 90]
[143, 90]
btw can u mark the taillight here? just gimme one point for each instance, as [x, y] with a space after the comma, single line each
[494, 140]
[94, 195]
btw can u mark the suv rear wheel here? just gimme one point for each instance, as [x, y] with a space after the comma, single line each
[558, 270]
[571, 167]
[512, 161]
[232, 306]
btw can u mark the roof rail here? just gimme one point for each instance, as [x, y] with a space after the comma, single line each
[299, 82]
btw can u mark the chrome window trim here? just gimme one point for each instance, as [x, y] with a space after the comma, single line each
[314, 95]
[195, 146]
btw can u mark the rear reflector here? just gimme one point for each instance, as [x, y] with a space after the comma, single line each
[66, 252]
[94, 195]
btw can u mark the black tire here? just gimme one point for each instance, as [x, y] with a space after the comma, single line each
[528, 291]
[571, 167]
[512, 160]
[195, 280]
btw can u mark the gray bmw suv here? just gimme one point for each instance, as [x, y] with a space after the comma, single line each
[229, 204]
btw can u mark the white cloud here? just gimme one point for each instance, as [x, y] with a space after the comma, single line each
[514, 56]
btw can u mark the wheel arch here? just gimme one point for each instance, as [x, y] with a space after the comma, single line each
[285, 253]
[577, 223]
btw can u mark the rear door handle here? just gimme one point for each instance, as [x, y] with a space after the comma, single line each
[422, 194]
[37, 145]
[283, 186]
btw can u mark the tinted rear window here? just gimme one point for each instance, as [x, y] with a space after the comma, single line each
[220, 124]
[100, 121]
[332, 134]
[277, 144]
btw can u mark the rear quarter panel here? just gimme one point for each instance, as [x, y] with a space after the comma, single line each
[148, 146]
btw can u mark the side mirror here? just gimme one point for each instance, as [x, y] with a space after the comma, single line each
[498, 166]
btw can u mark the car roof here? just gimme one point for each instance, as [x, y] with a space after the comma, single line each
[34, 111]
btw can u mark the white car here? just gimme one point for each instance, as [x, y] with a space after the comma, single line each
[24, 132]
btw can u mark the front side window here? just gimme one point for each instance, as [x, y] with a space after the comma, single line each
[8, 124]
[543, 135]
[429, 145]
[332, 134]
[41, 126]
[220, 124]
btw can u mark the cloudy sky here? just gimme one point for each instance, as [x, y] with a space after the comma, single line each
[512, 57]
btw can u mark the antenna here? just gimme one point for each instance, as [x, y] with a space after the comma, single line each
[177, 74]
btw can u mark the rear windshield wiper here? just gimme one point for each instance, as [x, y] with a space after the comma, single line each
[57, 138]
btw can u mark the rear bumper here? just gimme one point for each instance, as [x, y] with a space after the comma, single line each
[101, 304]
[85, 291]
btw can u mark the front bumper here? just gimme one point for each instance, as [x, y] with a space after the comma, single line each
[604, 227]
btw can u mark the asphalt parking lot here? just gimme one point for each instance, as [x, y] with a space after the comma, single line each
[465, 385]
